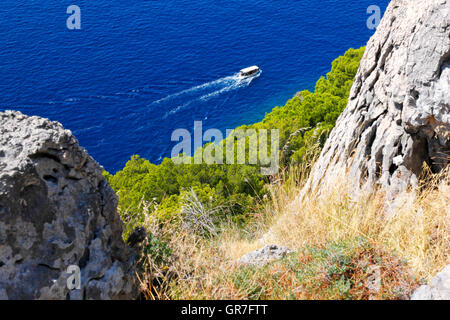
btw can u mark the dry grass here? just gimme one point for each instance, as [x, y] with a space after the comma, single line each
[415, 227]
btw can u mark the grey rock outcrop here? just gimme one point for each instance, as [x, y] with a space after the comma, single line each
[263, 256]
[398, 114]
[57, 210]
[438, 289]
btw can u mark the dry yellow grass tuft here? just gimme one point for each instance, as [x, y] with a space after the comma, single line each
[416, 224]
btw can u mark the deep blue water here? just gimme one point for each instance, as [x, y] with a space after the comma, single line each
[140, 69]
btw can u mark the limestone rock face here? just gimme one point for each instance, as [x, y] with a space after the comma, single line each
[263, 256]
[398, 115]
[57, 210]
[438, 289]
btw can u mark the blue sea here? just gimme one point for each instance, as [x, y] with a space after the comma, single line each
[139, 69]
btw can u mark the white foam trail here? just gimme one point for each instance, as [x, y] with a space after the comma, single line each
[180, 107]
[72, 99]
[196, 88]
[213, 94]
[238, 84]
[229, 83]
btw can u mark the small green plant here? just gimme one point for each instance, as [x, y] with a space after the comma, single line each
[155, 252]
[245, 278]
[152, 268]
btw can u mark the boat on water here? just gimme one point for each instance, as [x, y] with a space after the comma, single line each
[248, 72]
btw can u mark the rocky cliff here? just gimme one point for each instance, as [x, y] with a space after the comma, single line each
[56, 211]
[398, 114]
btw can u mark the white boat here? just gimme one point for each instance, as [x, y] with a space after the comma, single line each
[248, 72]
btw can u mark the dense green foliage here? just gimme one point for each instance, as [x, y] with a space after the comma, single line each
[233, 187]
[163, 187]
[317, 111]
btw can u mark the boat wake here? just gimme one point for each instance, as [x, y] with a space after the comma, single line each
[201, 93]
[175, 102]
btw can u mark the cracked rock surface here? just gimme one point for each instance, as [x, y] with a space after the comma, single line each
[57, 210]
[264, 255]
[437, 289]
[398, 114]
